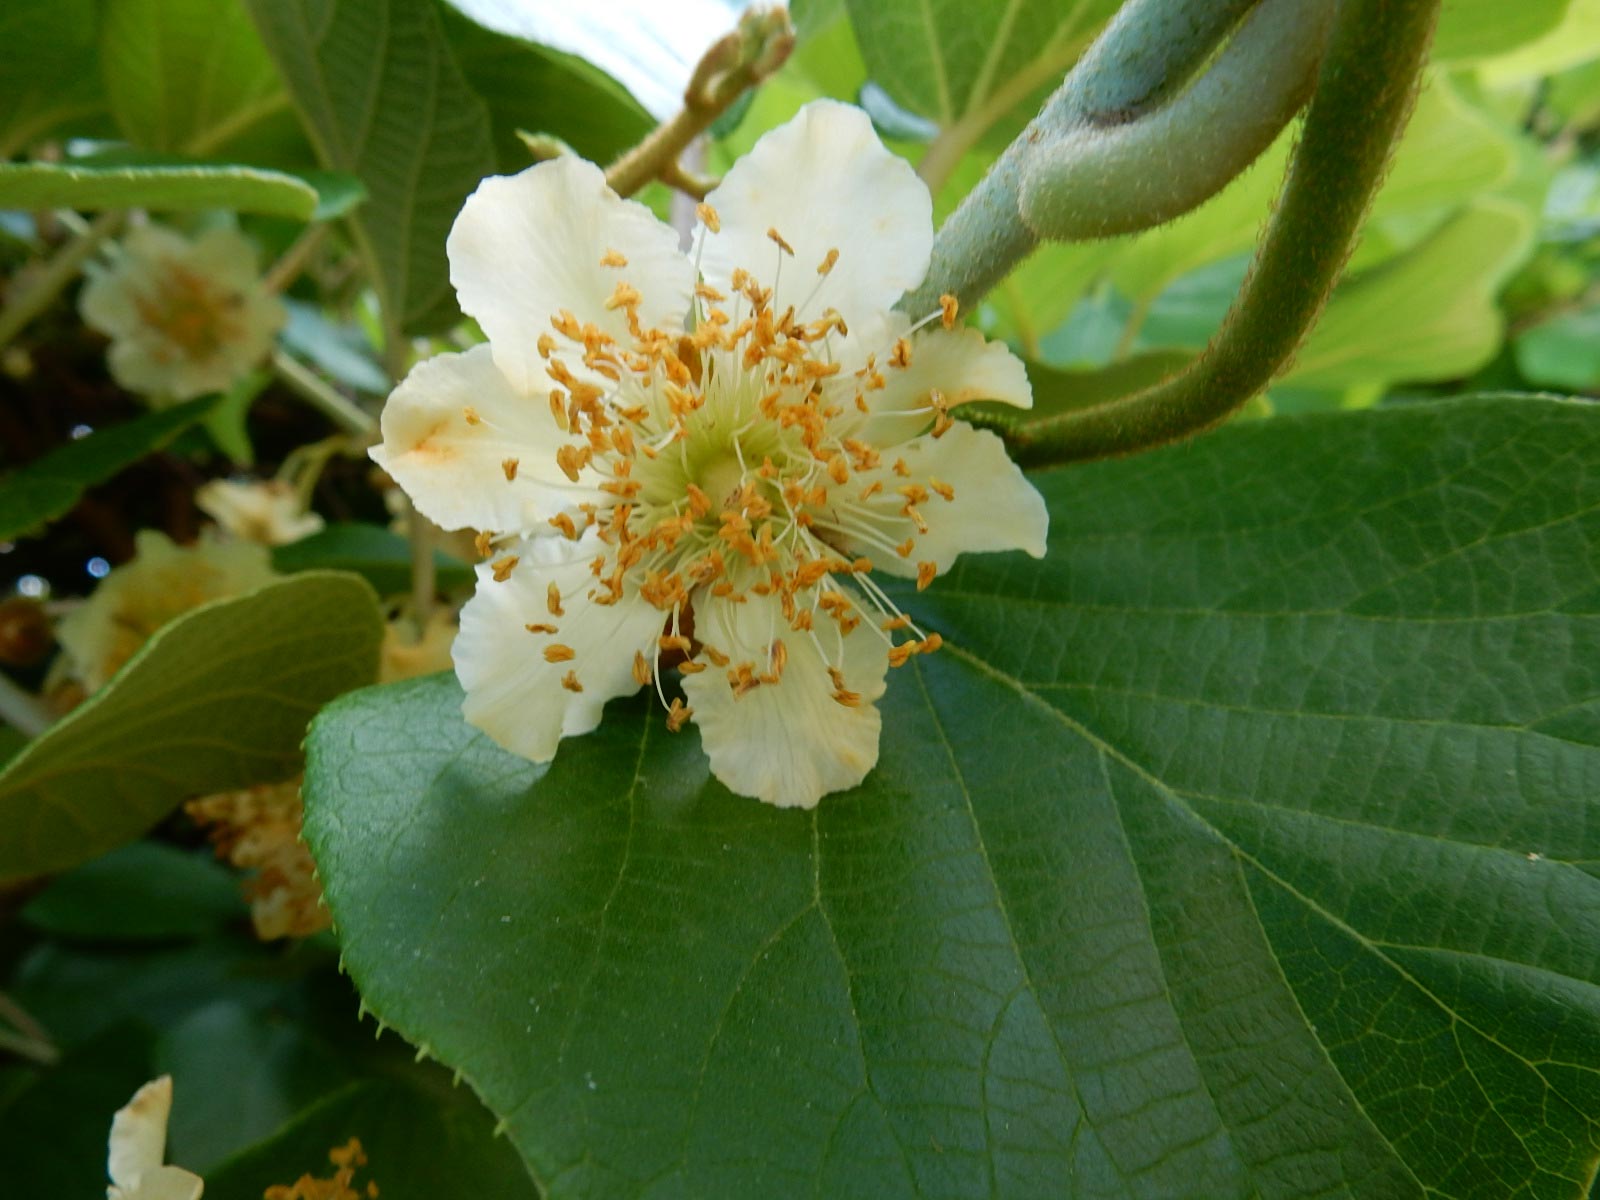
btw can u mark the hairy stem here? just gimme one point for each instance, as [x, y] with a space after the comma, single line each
[1364, 96]
[1150, 48]
[733, 64]
[1093, 182]
[306, 384]
[21, 709]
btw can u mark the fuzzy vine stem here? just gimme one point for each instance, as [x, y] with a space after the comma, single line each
[1365, 92]
[1150, 49]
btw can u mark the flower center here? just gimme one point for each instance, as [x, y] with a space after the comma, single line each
[189, 311]
[735, 462]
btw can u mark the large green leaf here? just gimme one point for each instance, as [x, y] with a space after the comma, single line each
[217, 699]
[1245, 846]
[175, 187]
[380, 556]
[49, 486]
[381, 97]
[950, 60]
[188, 76]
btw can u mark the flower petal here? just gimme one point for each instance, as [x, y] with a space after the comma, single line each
[170, 1183]
[514, 691]
[227, 257]
[787, 743]
[823, 181]
[139, 1133]
[453, 469]
[994, 505]
[527, 246]
[960, 364]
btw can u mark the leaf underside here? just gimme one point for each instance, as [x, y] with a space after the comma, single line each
[1245, 846]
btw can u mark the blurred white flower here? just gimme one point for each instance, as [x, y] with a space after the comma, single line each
[702, 462]
[185, 317]
[138, 1146]
[162, 581]
[266, 511]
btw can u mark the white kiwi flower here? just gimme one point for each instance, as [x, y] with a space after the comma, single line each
[701, 461]
[138, 1146]
[185, 317]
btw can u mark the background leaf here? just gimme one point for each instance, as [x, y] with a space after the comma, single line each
[49, 73]
[381, 97]
[172, 187]
[419, 1146]
[192, 77]
[949, 60]
[217, 699]
[541, 90]
[143, 891]
[1245, 846]
[381, 557]
[48, 487]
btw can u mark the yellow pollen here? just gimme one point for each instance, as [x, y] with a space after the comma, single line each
[540, 627]
[710, 295]
[641, 669]
[901, 355]
[942, 489]
[898, 655]
[673, 642]
[717, 657]
[775, 236]
[895, 623]
[625, 295]
[929, 644]
[828, 261]
[691, 667]
[905, 548]
[612, 258]
[509, 466]
[679, 714]
[925, 573]
[471, 415]
[948, 307]
[708, 217]
[559, 653]
[546, 345]
[483, 543]
[502, 567]
[565, 524]
[570, 682]
[552, 601]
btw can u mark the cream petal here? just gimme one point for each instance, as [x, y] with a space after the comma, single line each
[787, 743]
[824, 182]
[527, 246]
[961, 364]
[109, 302]
[514, 693]
[226, 256]
[453, 469]
[169, 1183]
[995, 507]
[139, 1133]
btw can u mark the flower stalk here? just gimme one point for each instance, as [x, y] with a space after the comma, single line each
[59, 271]
[735, 63]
